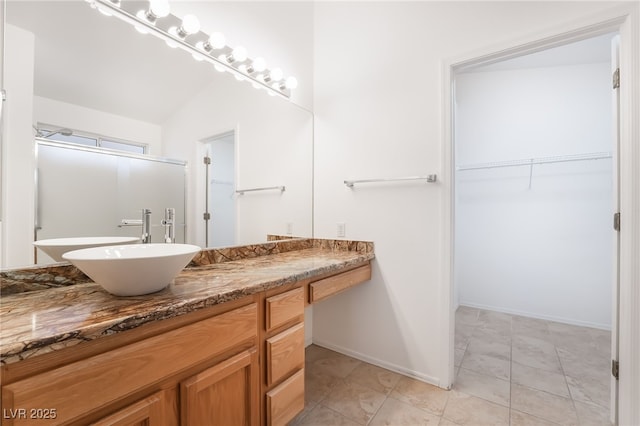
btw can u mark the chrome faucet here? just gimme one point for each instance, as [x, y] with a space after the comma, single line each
[169, 223]
[146, 226]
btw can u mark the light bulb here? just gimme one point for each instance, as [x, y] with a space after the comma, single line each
[291, 83]
[276, 74]
[190, 25]
[198, 57]
[238, 77]
[172, 44]
[141, 29]
[243, 69]
[239, 54]
[256, 85]
[259, 64]
[217, 40]
[104, 11]
[159, 8]
[219, 67]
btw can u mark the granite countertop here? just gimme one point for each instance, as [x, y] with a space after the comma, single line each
[38, 321]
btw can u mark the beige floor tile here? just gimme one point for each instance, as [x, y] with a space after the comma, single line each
[588, 390]
[335, 364]
[531, 327]
[397, 413]
[592, 415]
[593, 367]
[445, 422]
[486, 334]
[490, 348]
[421, 395]
[462, 336]
[315, 352]
[487, 365]
[469, 410]
[354, 401]
[493, 317]
[545, 405]
[522, 419]
[459, 354]
[541, 357]
[317, 384]
[485, 387]
[373, 377]
[323, 416]
[308, 407]
[536, 378]
[466, 315]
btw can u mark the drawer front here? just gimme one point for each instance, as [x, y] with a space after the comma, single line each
[285, 401]
[284, 307]
[285, 353]
[148, 412]
[327, 287]
[72, 389]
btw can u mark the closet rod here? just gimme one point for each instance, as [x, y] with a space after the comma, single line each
[539, 160]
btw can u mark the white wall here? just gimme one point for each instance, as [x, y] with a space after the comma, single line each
[378, 110]
[544, 252]
[51, 111]
[273, 148]
[18, 160]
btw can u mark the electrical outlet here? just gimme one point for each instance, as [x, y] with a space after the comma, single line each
[289, 228]
[341, 230]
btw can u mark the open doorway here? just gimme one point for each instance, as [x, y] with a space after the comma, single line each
[535, 253]
[220, 182]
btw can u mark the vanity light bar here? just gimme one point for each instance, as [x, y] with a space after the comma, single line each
[186, 34]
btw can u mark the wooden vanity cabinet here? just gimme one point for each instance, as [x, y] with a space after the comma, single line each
[283, 381]
[200, 373]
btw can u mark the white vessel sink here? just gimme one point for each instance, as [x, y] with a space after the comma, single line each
[56, 247]
[133, 270]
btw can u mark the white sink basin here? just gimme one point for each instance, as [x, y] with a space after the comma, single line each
[56, 247]
[133, 270]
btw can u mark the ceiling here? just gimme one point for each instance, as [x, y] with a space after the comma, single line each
[85, 58]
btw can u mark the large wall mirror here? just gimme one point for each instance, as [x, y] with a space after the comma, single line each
[68, 66]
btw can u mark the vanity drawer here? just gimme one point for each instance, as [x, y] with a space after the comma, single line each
[285, 353]
[284, 307]
[329, 286]
[285, 401]
[129, 369]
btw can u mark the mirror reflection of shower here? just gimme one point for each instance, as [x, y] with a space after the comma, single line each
[220, 200]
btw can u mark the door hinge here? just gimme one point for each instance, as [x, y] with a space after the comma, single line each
[206, 216]
[616, 78]
[207, 160]
[616, 221]
[615, 368]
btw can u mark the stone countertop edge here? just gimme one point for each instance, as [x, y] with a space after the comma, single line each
[38, 322]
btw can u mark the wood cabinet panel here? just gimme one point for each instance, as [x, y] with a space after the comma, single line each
[284, 307]
[114, 374]
[285, 353]
[225, 394]
[286, 400]
[332, 285]
[148, 412]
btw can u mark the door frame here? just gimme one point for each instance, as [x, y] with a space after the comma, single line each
[626, 20]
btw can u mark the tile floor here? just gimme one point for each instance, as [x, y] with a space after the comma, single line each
[510, 370]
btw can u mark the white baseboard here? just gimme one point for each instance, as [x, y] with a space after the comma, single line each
[536, 315]
[380, 363]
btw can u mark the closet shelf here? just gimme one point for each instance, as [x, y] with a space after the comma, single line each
[533, 161]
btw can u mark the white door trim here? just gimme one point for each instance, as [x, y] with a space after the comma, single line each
[626, 20]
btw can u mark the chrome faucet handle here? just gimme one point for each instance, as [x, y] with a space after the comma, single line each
[146, 226]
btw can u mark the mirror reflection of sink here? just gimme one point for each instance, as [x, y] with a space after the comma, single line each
[56, 247]
[133, 270]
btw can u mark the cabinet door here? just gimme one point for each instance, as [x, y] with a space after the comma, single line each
[225, 394]
[147, 412]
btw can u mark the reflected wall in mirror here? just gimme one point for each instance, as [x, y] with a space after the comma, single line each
[69, 66]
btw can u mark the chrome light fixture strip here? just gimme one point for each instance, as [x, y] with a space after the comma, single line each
[128, 10]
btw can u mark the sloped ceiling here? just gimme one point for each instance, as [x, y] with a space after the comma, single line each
[85, 58]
